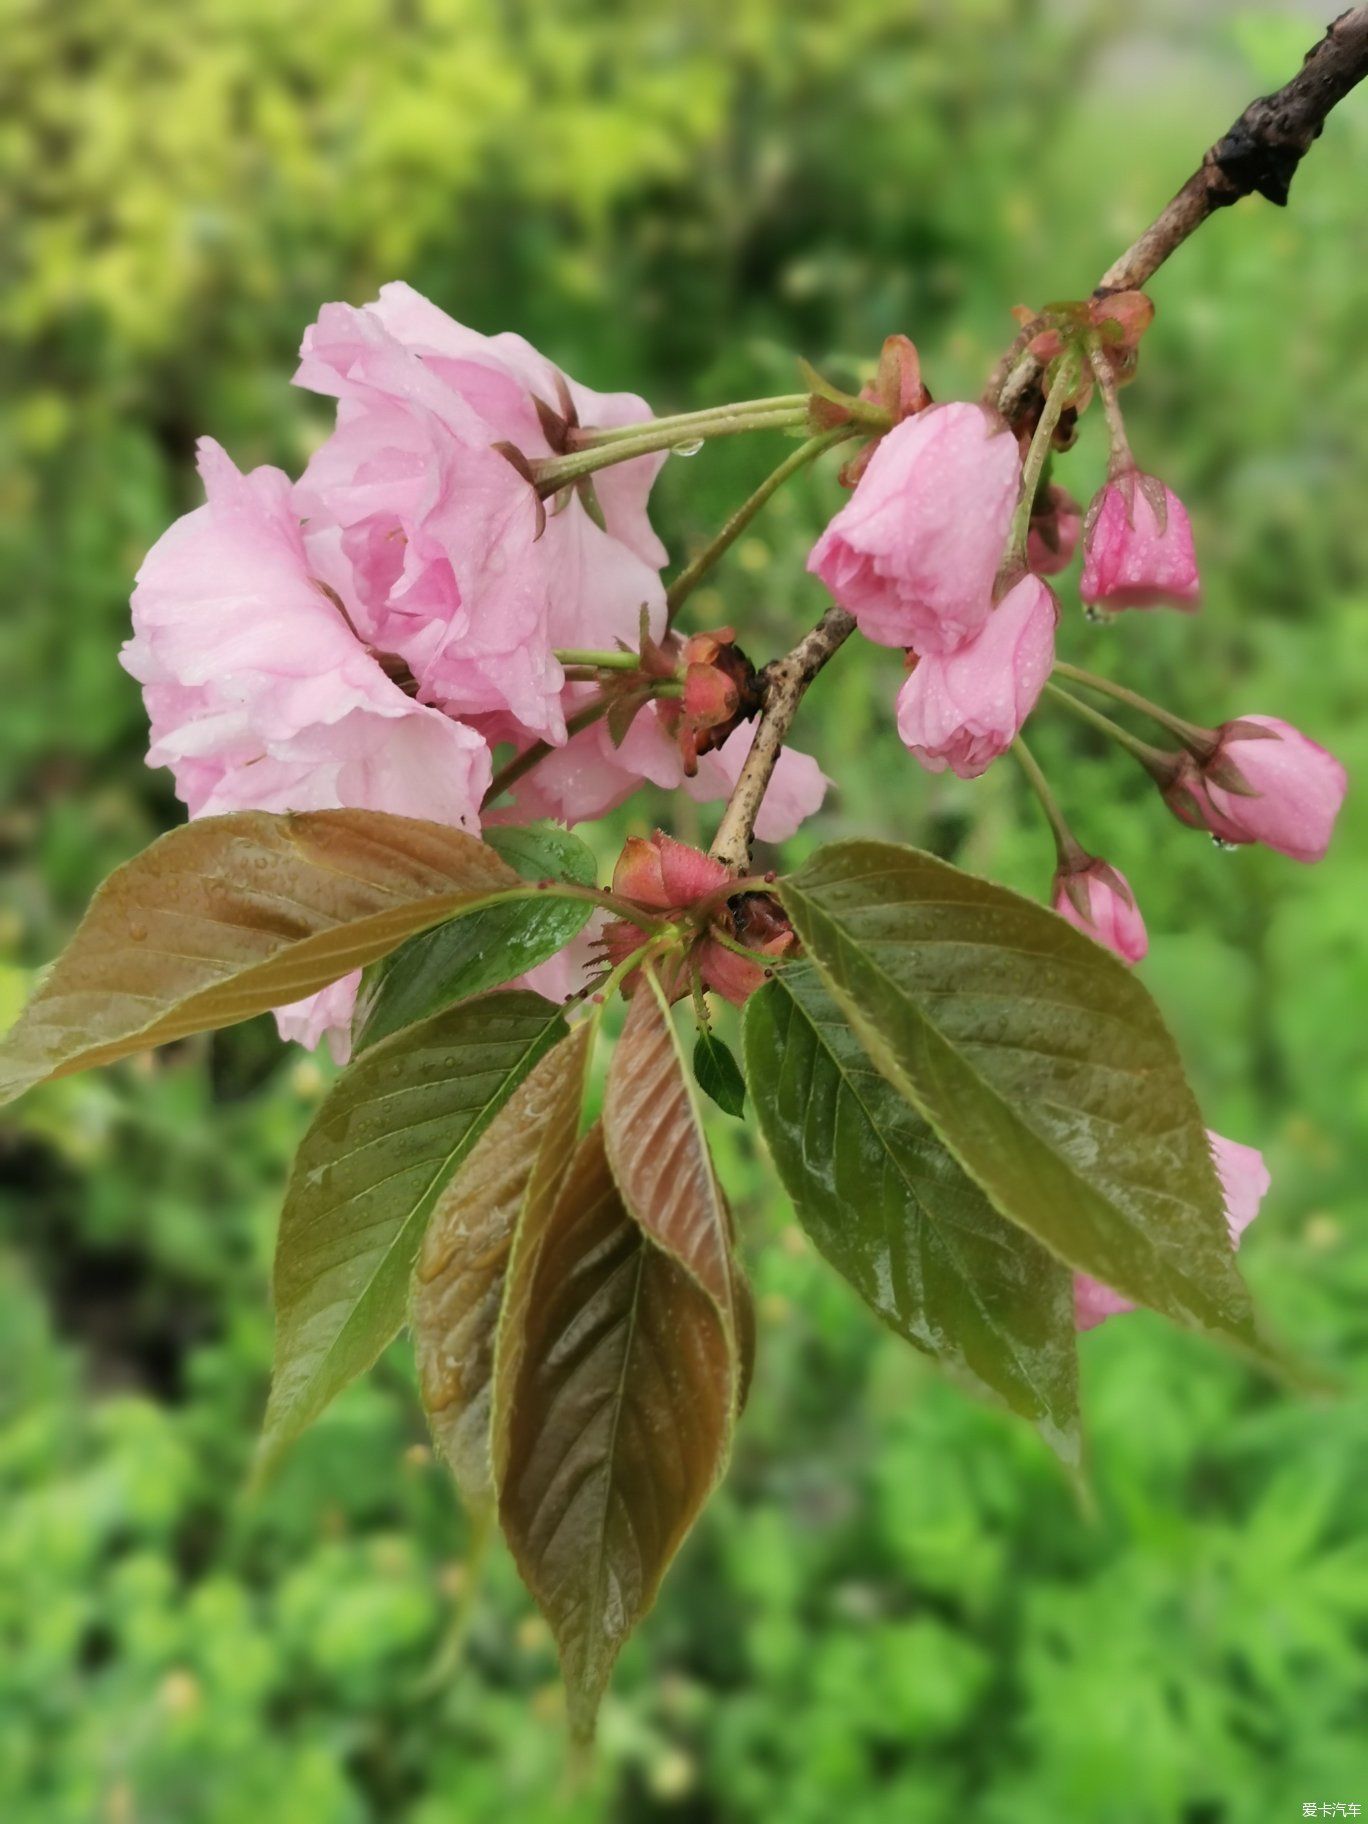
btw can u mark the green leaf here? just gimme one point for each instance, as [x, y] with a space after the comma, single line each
[659, 1155]
[392, 1130]
[888, 1206]
[1039, 1060]
[543, 851]
[718, 1074]
[228, 916]
[618, 1423]
[516, 1166]
[484, 948]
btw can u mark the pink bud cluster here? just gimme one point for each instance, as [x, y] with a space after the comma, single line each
[669, 880]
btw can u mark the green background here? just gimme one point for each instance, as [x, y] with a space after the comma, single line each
[893, 1609]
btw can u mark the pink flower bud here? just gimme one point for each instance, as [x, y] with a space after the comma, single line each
[964, 709]
[1097, 900]
[1266, 782]
[1055, 528]
[1244, 1185]
[1137, 547]
[914, 553]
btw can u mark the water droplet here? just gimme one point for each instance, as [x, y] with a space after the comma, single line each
[688, 449]
[1094, 617]
[1226, 848]
[137, 932]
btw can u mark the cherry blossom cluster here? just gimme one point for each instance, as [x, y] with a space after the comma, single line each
[371, 634]
[466, 573]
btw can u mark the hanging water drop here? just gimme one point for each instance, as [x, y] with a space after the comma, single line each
[688, 449]
[1224, 845]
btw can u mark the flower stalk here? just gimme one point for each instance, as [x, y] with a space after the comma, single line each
[1158, 764]
[1199, 741]
[698, 567]
[1060, 394]
[1069, 850]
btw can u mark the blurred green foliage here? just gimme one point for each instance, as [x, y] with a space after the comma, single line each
[893, 1609]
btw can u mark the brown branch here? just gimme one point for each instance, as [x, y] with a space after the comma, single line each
[784, 682]
[1259, 154]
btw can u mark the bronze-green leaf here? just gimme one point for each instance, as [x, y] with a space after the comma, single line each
[1041, 1063]
[228, 916]
[618, 1423]
[658, 1151]
[888, 1206]
[486, 947]
[458, 1283]
[393, 1128]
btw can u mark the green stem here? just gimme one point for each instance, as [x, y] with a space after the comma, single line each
[554, 472]
[1154, 760]
[698, 567]
[1067, 845]
[1200, 741]
[599, 661]
[1066, 379]
[598, 437]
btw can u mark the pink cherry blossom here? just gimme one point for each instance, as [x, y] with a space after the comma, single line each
[435, 540]
[914, 553]
[589, 776]
[1244, 1185]
[262, 697]
[1107, 912]
[1267, 782]
[965, 709]
[1137, 547]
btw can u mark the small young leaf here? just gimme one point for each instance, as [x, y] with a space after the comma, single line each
[659, 1155]
[618, 1424]
[894, 1214]
[228, 916]
[393, 1128]
[718, 1074]
[1041, 1063]
[482, 949]
[458, 1283]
